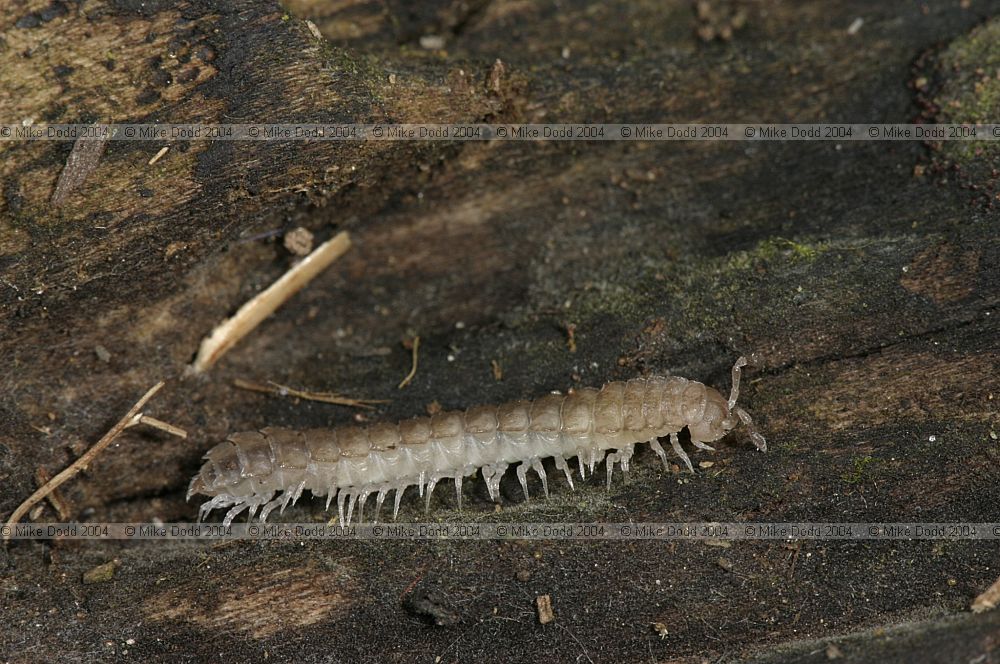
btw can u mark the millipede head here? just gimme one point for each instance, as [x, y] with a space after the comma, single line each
[722, 415]
[715, 421]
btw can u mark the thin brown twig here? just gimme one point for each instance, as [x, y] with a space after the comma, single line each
[80, 464]
[42, 477]
[413, 369]
[324, 397]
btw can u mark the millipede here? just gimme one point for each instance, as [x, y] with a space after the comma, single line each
[266, 469]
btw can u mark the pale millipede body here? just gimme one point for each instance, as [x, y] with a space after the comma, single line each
[269, 468]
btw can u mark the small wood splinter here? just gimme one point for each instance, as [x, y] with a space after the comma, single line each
[228, 333]
[81, 162]
[988, 600]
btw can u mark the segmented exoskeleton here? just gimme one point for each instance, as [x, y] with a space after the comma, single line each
[270, 468]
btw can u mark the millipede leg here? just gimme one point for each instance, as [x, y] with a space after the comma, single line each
[350, 506]
[398, 497]
[489, 472]
[675, 442]
[660, 452]
[361, 504]
[430, 489]
[269, 507]
[562, 465]
[624, 458]
[378, 502]
[219, 501]
[285, 499]
[298, 491]
[341, 497]
[610, 465]
[536, 465]
[233, 513]
[522, 477]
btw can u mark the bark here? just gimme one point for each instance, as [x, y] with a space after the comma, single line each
[864, 275]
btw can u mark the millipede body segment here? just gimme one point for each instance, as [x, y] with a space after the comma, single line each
[263, 470]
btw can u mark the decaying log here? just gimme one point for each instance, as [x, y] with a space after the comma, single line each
[864, 275]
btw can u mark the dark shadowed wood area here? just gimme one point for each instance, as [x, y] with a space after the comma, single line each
[864, 275]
